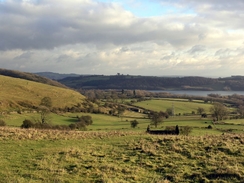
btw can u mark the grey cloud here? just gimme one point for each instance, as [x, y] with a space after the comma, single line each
[46, 26]
[25, 55]
[168, 57]
[197, 49]
[85, 36]
[124, 49]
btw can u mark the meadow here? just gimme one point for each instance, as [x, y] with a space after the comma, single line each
[22, 94]
[182, 106]
[118, 156]
[109, 122]
[111, 151]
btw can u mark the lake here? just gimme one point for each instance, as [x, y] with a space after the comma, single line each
[199, 93]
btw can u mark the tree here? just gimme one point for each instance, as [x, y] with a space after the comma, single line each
[157, 118]
[134, 123]
[219, 111]
[44, 112]
[169, 111]
[177, 130]
[200, 110]
[241, 110]
[121, 111]
[47, 102]
[134, 93]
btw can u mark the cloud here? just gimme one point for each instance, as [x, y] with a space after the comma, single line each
[88, 36]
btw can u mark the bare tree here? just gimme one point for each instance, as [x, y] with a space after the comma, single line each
[219, 111]
[241, 110]
[200, 110]
[157, 118]
[44, 112]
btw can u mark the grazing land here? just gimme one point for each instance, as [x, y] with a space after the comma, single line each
[116, 156]
[30, 77]
[183, 117]
[72, 138]
[23, 94]
[182, 106]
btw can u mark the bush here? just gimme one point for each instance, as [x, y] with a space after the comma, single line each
[185, 130]
[87, 120]
[72, 126]
[134, 123]
[78, 126]
[2, 123]
[27, 124]
[210, 127]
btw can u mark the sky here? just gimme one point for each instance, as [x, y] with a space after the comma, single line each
[150, 37]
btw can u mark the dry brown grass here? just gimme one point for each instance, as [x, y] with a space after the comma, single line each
[15, 91]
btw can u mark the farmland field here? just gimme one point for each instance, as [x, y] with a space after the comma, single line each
[180, 105]
[111, 151]
[69, 156]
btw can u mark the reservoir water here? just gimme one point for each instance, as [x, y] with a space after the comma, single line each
[199, 93]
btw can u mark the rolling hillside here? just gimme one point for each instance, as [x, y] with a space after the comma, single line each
[19, 93]
[30, 77]
[55, 76]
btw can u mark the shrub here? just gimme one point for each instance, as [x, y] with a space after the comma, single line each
[2, 123]
[134, 123]
[185, 130]
[81, 126]
[177, 130]
[210, 127]
[27, 124]
[78, 126]
[87, 120]
[72, 126]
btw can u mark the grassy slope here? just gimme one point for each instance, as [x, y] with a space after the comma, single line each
[180, 106]
[14, 90]
[30, 77]
[61, 156]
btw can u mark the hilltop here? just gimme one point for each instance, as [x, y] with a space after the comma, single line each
[55, 76]
[235, 83]
[20, 93]
[30, 77]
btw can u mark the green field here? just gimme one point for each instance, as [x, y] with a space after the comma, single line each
[113, 156]
[111, 151]
[180, 105]
[108, 122]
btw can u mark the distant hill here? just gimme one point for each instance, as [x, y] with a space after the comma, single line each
[19, 93]
[55, 76]
[154, 83]
[30, 77]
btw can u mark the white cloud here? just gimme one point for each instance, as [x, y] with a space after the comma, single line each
[87, 36]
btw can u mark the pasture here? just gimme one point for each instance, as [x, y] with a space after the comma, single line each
[182, 106]
[23, 94]
[118, 156]
[108, 122]
[111, 151]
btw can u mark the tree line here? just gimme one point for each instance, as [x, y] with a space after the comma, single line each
[153, 82]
